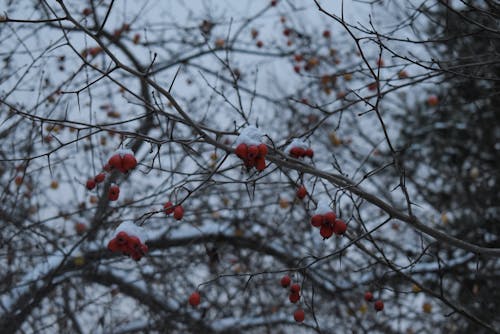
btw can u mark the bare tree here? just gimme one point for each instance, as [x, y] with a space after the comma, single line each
[237, 146]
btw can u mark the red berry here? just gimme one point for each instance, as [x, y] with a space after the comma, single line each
[107, 167]
[298, 57]
[113, 245]
[286, 32]
[330, 218]
[294, 297]
[296, 69]
[293, 152]
[262, 150]
[122, 238]
[95, 51]
[134, 243]
[90, 184]
[168, 208]
[295, 288]
[115, 161]
[301, 152]
[136, 255]
[379, 305]
[113, 193]
[137, 38]
[299, 315]
[340, 227]
[317, 220]
[368, 296]
[178, 212]
[242, 151]
[326, 34]
[301, 192]
[274, 2]
[260, 163]
[99, 177]
[19, 180]
[80, 228]
[326, 231]
[432, 100]
[372, 86]
[249, 163]
[254, 33]
[128, 162]
[297, 152]
[259, 44]
[194, 299]
[309, 153]
[253, 152]
[285, 281]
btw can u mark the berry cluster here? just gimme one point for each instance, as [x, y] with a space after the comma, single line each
[299, 149]
[250, 149]
[328, 224]
[128, 245]
[299, 152]
[177, 210]
[122, 161]
[378, 305]
[294, 296]
[91, 183]
[252, 155]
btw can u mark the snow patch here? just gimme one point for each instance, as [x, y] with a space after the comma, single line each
[250, 136]
[132, 230]
[296, 143]
[122, 152]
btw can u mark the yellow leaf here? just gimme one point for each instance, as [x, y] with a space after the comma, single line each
[427, 307]
[79, 261]
[334, 139]
[284, 203]
[444, 218]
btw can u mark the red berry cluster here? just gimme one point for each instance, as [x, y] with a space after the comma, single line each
[91, 183]
[128, 245]
[252, 155]
[328, 224]
[122, 162]
[299, 152]
[294, 296]
[177, 210]
[378, 305]
[194, 299]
